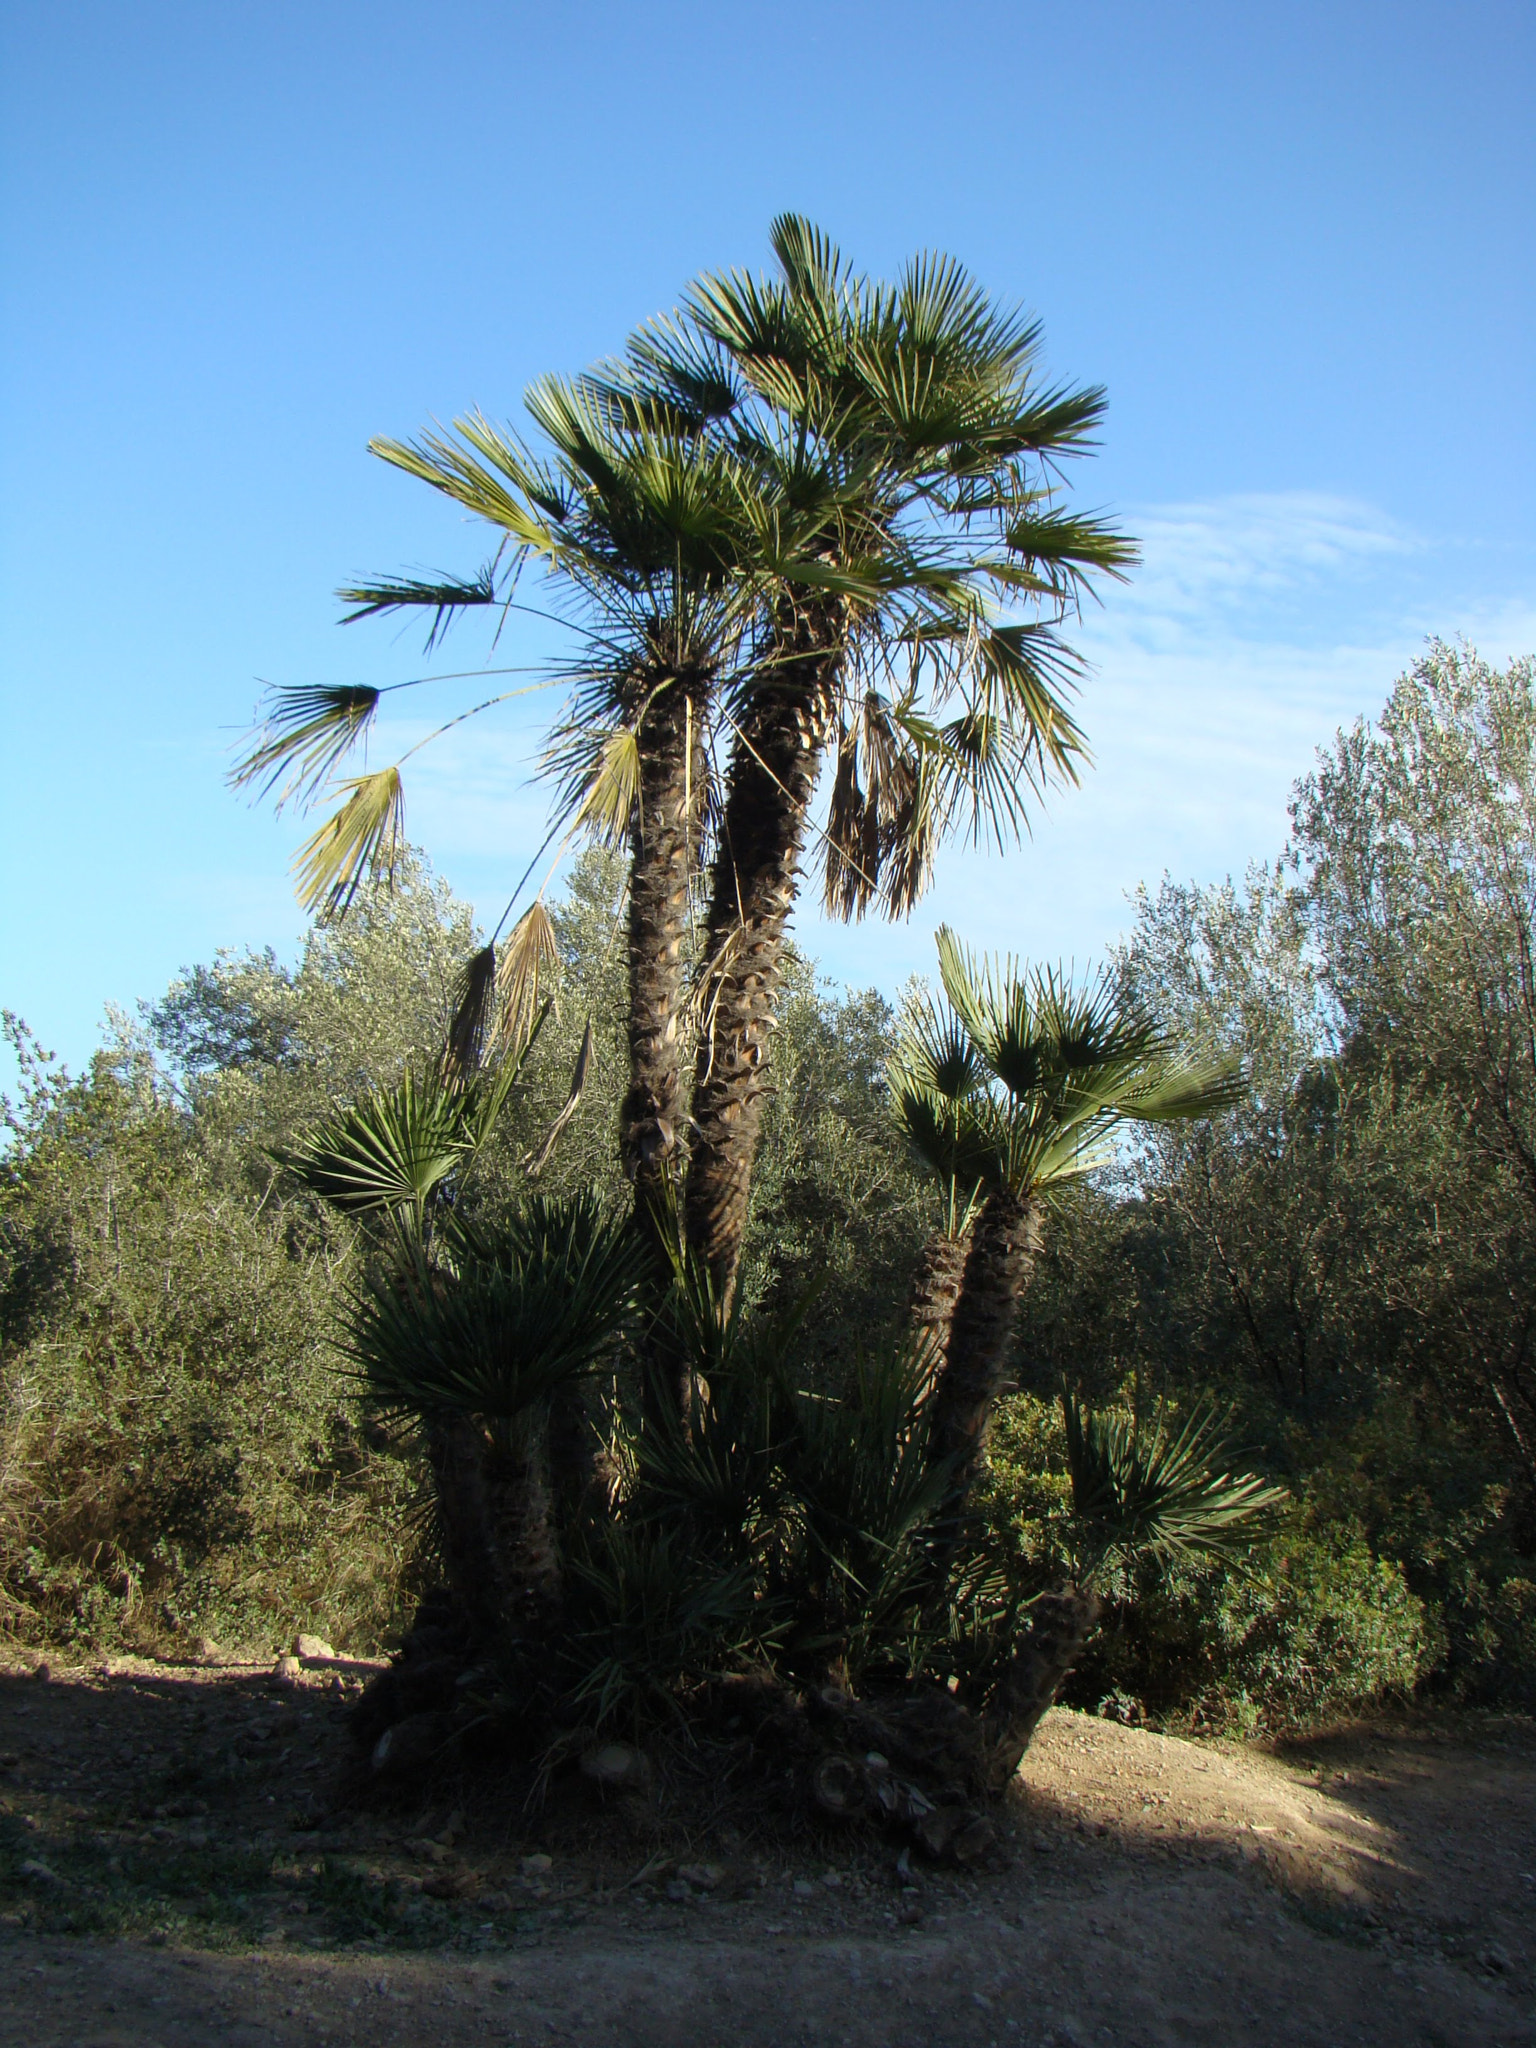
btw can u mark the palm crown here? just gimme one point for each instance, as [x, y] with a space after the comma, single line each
[1020, 1079]
[904, 426]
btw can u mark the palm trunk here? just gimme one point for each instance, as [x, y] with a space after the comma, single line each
[776, 762]
[1059, 1625]
[664, 850]
[663, 860]
[934, 1295]
[1004, 1243]
[496, 1521]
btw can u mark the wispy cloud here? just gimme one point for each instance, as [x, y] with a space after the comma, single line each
[1256, 626]
[1204, 561]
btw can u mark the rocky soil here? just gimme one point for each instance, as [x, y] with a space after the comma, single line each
[185, 1858]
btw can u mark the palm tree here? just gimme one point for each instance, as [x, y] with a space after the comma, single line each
[1014, 1090]
[648, 533]
[907, 426]
[473, 1337]
[816, 514]
[1162, 1492]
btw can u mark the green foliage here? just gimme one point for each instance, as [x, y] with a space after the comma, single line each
[1158, 1492]
[1308, 1623]
[180, 1453]
[511, 1321]
[839, 1208]
[1317, 1627]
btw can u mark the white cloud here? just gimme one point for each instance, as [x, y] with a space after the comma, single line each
[1256, 626]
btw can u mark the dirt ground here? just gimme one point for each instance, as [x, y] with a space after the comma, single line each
[181, 1862]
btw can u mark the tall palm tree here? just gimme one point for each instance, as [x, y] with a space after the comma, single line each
[807, 516]
[914, 632]
[649, 533]
[1013, 1090]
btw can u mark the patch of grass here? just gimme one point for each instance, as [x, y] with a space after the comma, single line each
[222, 1898]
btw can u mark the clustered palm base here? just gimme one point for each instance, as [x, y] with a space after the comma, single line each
[790, 1575]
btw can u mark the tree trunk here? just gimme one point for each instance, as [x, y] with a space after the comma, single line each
[664, 852]
[775, 764]
[1059, 1625]
[495, 1516]
[663, 862]
[1004, 1243]
[934, 1294]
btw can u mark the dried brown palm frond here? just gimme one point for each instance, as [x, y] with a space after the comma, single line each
[527, 958]
[364, 838]
[536, 1162]
[472, 1014]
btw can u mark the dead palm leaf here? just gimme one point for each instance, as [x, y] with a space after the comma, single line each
[536, 1162]
[529, 955]
[362, 839]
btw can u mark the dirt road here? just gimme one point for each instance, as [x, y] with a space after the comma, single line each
[1373, 1887]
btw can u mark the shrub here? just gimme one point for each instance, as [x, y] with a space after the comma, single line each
[1312, 1625]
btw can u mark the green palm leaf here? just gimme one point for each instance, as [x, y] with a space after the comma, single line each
[305, 733]
[1159, 1491]
[510, 1325]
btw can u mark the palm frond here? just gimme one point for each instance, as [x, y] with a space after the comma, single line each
[608, 803]
[1202, 1085]
[536, 1162]
[362, 839]
[528, 958]
[305, 732]
[542, 1307]
[648, 1612]
[474, 994]
[1159, 1491]
[490, 475]
[395, 1147]
[444, 596]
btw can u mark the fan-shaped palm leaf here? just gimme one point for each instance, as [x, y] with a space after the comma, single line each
[304, 734]
[1160, 1490]
[363, 838]
[510, 1325]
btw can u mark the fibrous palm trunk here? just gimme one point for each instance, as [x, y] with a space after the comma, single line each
[663, 862]
[664, 849]
[780, 740]
[1059, 1625]
[1005, 1241]
[933, 1297]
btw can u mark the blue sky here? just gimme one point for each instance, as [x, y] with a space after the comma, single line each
[1295, 242]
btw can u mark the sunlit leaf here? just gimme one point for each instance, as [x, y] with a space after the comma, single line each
[364, 838]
